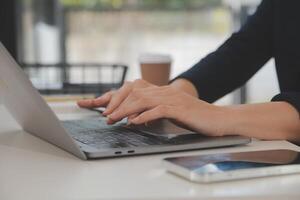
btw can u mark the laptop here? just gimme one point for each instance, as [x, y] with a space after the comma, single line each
[93, 138]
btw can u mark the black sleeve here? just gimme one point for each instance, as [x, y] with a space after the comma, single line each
[237, 59]
[292, 98]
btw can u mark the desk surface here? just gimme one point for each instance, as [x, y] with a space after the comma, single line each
[33, 169]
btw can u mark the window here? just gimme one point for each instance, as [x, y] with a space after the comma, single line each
[117, 31]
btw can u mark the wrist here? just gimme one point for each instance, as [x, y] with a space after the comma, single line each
[185, 86]
[215, 120]
[229, 118]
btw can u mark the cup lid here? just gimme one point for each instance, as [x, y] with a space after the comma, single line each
[155, 58]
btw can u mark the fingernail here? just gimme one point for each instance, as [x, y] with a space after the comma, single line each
[129, 122]
[109, 121]
[105, 112]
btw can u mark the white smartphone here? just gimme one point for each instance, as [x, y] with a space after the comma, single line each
[233, 166]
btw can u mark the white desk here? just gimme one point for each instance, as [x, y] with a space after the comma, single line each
[33, 169]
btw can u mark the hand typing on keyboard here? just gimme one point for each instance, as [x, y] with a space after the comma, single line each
[142, 102]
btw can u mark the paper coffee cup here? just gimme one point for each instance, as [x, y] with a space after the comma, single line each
[155, 68]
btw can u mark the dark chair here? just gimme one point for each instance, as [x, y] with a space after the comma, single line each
[79, 78]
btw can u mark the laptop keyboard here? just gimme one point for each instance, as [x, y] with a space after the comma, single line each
[96, 133]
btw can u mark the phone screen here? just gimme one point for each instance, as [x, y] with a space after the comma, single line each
[235, 161]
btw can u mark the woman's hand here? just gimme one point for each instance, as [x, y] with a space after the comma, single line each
[151, 103]
[111, 100]
[142, 102]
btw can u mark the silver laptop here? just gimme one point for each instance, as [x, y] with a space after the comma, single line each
[93, 138]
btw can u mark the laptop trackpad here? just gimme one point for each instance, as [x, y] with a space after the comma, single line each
[163, 127]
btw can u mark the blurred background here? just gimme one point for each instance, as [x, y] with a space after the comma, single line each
[79, 46]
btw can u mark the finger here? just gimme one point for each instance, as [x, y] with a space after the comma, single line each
[110, 121]
[131, 109]
[156, 113]
[123, 92]
[117, 98]
[135, 103]
[103, 100]
[86, 103]
[91, 103]
[138, 101]
[130, 117]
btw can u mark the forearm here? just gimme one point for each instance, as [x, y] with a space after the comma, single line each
[274, 121]
[185, 86]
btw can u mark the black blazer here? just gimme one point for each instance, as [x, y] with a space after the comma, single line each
[272, 32]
